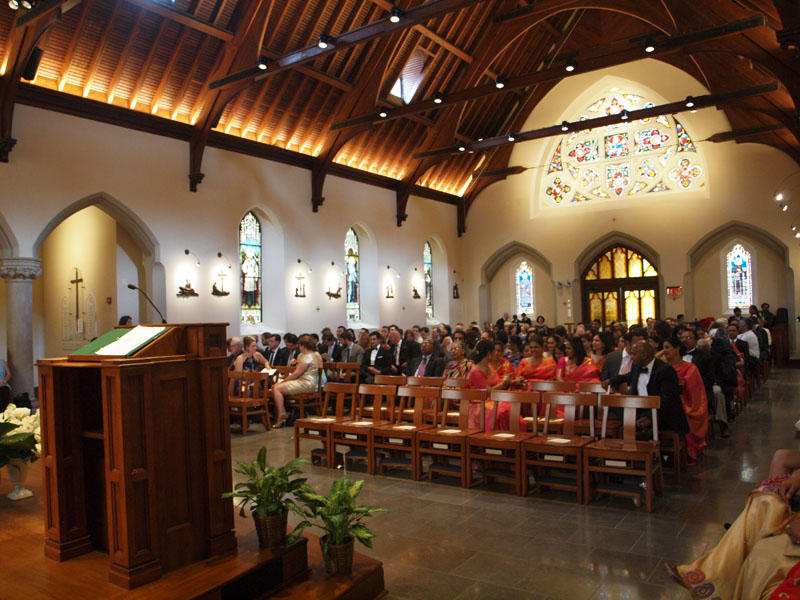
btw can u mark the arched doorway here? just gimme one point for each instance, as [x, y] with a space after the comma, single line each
[620, 284]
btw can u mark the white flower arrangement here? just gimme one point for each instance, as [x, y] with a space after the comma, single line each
[27, 422]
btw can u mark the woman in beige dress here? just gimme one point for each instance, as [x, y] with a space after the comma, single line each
[302, 380]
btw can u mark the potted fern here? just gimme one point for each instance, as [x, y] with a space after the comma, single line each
[340, 518]
[269, 493]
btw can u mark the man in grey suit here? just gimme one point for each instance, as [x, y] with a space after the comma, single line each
[619, 361]
[351, 352]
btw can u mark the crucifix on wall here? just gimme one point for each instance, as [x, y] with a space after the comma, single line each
[78, 310]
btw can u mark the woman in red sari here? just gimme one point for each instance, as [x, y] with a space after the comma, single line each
[693, 395]
[602, 345]
[484, 377]
[535, 367]
[498, 364]
[576, 365]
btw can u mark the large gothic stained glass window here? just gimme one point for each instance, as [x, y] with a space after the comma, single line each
[739, 268]
[637, 158]
[352, 274]
[524, 284]
[427, 267]
[250, 268]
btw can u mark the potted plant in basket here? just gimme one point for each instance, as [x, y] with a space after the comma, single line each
[340, 518]
[19, 445]
[269, 493]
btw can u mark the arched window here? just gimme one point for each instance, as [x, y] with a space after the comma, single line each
[620, 285]
[739, 271]
[250, 267]
[524, 285]
[635, 158]
[427, 268]
[352, 274]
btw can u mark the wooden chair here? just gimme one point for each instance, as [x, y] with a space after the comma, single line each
[549, 386]
[304, 400]
[500, 452]
[319, 428]
[431, 409]
[674, 444]
[446, 444]
[390, 379]
[345, 372]
[452, 413]
[557, 460]
[627, 456]
[352, 438]
[393, 443]
[582, 425]
[248, 394]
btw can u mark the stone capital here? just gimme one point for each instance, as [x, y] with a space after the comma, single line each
[20, 268]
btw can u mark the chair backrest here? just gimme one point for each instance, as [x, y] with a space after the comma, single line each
[515, 400]
[414, 397]
[455, 382]
[281, 372]
[390, 379]
[630, 404]
[424, 381]
[336, 393]
[465, 399]
[572, 403]
[251, 385]
[593, 387]
[349, 371]
[551, 386]
[382, 395]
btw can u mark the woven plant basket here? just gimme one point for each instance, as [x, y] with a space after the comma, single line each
[339, 560]
[271, 530]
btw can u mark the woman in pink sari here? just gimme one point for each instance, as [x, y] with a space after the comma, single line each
[576, 366]
[535, 367]
[695, 403]
[483, 377]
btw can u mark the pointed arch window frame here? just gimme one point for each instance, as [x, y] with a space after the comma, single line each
[427, 272]
[748, 293]
[250, 269]
[352, 267]
[529, 309]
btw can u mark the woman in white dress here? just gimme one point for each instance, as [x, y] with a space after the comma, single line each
[302, 380]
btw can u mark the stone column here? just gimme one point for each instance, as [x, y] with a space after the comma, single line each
[19, 274]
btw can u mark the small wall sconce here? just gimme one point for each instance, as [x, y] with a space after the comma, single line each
[220, 255]
[415, 293]
[333, 280]
[389, 282]
[188, 253]
[300, 288]
[416, 281]
[566, 284]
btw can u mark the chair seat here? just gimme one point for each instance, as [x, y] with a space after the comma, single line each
[500, 436]
[445, 433]
[623, 446]
[357, 426]
[236, 401]
[558, 441]
[401, 428]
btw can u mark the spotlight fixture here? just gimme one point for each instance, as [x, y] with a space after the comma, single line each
[383, 114]
[324, 41]
[794, 227]
[395, 14]
[13, 4]
[27, 4]
[797, 235]
[649, 48]
[500, 83]
[262, 64]
[779, 196]
[564, 126]
[571, 65]
[438, 98]
[511, 137]
[462, 148]
[784, 207]
[689, 102]
[624, 115]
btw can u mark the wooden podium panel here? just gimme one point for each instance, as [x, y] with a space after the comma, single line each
[136, 455]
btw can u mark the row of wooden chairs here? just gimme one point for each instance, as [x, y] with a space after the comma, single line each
[398, 436]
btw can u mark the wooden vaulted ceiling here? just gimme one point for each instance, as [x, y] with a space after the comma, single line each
[148, 64]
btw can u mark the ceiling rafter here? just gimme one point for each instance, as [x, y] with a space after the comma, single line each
[67, 62]
[123, 57]
[98, 49]
[137, 87]
[185, 19]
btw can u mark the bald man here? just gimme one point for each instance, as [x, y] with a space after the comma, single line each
[651, 377]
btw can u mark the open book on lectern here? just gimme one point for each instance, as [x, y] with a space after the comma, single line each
[122, 342]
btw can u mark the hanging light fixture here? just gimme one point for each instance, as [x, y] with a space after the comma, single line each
[262, 64]
[571, 65]
[511, 137]
[624, 115]
[438, 98]
[689, 103]
[564, 126]
[395, 14]
[324, 41]
[500, 83]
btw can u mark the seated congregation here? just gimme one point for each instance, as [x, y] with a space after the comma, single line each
[579, 408]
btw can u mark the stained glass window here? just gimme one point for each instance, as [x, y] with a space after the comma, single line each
[739, 269]
[647, 156]
[524, 281]
[427, 267]
[250, 268]
[352, 274]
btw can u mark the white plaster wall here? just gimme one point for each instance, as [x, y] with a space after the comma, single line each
[127, 300]
[59, 160]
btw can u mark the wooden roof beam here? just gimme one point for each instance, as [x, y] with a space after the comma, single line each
[600, 60]
[185, 19]
[380, 28]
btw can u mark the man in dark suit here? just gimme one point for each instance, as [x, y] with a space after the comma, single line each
[273, 342]
[651, 377]
[377, 360]
[286, 354]
[701, 358]
[426, 364]
[403, 351]
[619, 361]
[331, 347]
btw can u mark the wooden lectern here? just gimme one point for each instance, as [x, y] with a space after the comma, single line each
[136, 454]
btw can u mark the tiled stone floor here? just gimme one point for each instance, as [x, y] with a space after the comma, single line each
[441, 542]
